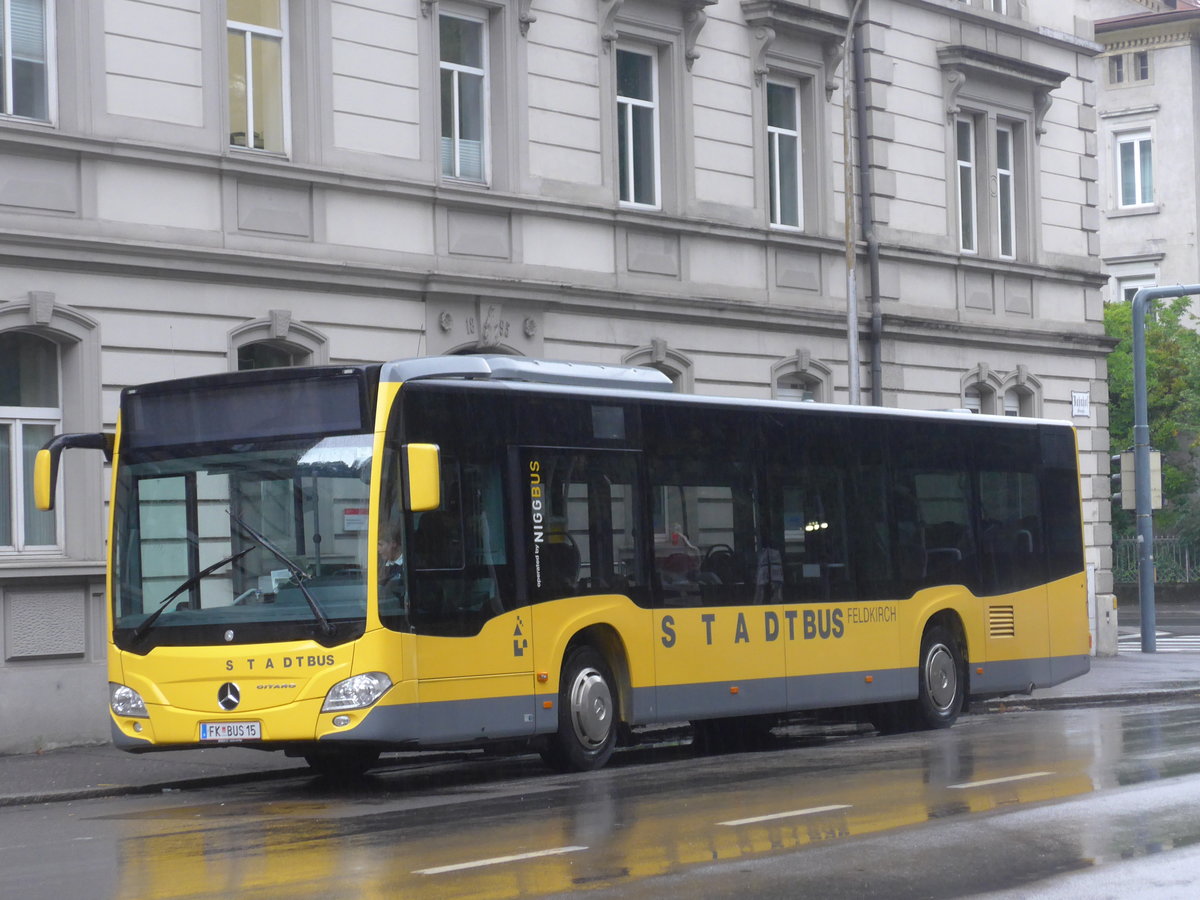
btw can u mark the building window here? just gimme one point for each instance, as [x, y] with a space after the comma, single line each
[797, 386]
[1129, 68]
[989, 211]
[1012, 402]
[1127, 286]
[269, 355]
[965, 142]
[1135, 169]
[1116, 69]
[464, 90]
[257, 75]
[25, 58]
[637, 127]
[1000, 6]
[783, 155]
[1141, 65]
[1005, 192]
[30, 414]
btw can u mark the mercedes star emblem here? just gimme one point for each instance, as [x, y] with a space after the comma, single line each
[228, 696]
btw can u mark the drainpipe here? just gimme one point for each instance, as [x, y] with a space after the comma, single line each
[852, 364]
[867, 214]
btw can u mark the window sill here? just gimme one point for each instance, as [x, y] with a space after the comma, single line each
[26, 567]
[1123, 211]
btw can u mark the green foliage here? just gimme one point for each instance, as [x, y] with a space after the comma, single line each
[1173, 404]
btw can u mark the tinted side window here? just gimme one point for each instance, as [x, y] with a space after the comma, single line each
[934, 530]
[1060, 476]
[810, 522]
[1012, 531]
[703, 508]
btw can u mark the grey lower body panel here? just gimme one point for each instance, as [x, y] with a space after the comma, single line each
[1016, 676]
[446, 722]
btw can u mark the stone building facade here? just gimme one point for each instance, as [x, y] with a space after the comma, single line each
[188, 187]
[1149, 80]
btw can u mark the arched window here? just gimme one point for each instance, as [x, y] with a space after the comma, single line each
[1022, 394]
[49, 383]
[670, 362]
[276, 341]
[30, 414]
[801, 378]
[980, 389]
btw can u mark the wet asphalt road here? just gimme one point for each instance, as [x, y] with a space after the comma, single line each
[999, 802]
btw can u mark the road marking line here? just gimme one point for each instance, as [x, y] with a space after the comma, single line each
[991, 781]
[785, 815]
[497, 860]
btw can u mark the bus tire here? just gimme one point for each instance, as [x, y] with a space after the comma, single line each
[942, 679]
[342, 764]
[587, 714]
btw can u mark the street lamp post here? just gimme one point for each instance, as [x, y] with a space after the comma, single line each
[1141, 457]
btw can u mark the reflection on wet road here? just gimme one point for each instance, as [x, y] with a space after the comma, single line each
[995, 802]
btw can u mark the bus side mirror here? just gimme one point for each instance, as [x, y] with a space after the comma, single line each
[422, 477]
[45, 464]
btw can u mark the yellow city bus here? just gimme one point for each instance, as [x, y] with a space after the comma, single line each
[474, 551]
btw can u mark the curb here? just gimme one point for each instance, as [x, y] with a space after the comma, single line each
[161, 787]
[1123, 698]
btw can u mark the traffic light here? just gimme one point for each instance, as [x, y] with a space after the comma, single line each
[1114, 479]
[1123, 464]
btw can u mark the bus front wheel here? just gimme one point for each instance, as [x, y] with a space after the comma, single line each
[942, 679]
[587, 714]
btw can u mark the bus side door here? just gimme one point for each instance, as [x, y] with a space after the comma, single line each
[473, 644]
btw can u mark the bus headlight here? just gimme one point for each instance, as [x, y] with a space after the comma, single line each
[125, 701]
[357, 692]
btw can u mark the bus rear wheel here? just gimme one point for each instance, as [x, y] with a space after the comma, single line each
[942, 679]
[587, 714]
[941, 688]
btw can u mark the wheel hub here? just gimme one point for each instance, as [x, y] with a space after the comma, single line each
[941, 678]
[591, 708]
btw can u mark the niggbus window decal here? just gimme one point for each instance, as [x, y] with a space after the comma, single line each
[580, 523]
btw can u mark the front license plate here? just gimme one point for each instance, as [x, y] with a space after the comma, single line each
[230, 731]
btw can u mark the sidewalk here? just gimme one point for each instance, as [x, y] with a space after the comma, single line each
[76, 773]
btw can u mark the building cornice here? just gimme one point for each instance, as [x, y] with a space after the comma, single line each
[1011, 25]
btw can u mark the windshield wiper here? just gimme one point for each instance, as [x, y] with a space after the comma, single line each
[148, 622]
[298, 573]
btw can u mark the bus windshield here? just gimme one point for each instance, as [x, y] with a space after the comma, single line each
[289, 517]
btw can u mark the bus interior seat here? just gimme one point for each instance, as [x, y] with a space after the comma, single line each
[560, 566]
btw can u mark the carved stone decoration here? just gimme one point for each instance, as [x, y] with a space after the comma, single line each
[797, 19]
[446, 322]
[427, 7]
[953, 81]
[608, 22]
[762, 37]
[41, 307]
[832, 54]
[960, 63]
[694, 18]
[281, 323]
[1041, 105]
[530, 326]
[524, 17]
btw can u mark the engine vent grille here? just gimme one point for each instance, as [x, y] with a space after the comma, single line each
[1001, 622]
